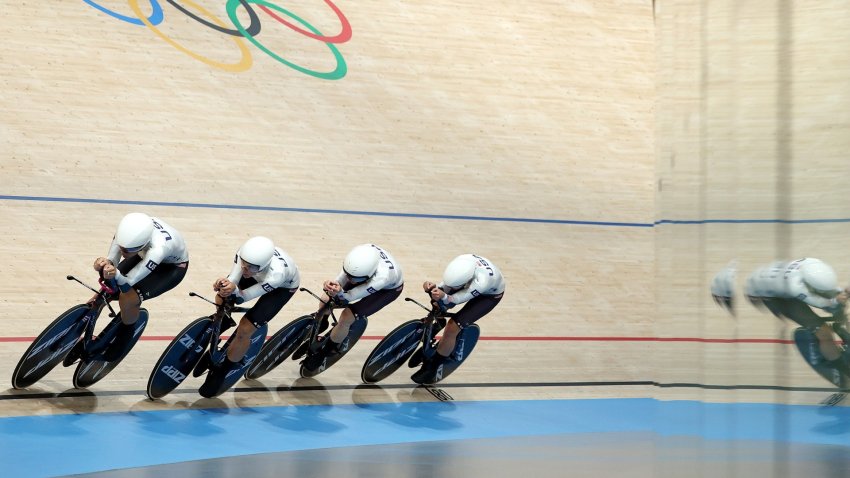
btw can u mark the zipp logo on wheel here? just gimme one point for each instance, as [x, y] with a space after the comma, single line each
[814, 353]
[459, 351]
[173, 373]
[836, 377]
[187, 341]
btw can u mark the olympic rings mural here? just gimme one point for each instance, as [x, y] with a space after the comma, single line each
[240, 32]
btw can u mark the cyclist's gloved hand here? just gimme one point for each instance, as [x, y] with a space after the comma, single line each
[224, 287]
[439, 305]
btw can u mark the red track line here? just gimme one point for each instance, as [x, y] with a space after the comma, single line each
[531, 339]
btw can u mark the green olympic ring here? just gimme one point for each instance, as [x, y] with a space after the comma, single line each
[341, 68]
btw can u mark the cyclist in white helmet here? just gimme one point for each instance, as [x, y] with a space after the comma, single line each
[369, 281]
[723, 287]
[792, 289]
[260, 270]
[147, 258]
[469, 279]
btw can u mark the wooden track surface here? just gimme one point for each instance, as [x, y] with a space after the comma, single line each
[579, 111]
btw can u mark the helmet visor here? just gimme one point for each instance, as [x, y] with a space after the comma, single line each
[131, 250]
[356, 279]
[252, 268]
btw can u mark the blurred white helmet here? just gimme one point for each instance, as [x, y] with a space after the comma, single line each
[257, 253]
[459, 271]
[361, 263]
[134, 232]
[723, 284]
[723, 287]
[819, 278]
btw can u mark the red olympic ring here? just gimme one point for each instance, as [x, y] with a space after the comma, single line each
[342, 37]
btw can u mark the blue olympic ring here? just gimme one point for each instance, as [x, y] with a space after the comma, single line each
[155, 18]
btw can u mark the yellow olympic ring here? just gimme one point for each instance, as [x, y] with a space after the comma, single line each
[241, 65]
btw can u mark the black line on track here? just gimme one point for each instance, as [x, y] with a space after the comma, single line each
[307, 388]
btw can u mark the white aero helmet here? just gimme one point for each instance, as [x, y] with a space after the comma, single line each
[459, 271]
[361, 263]
[819, 278]
[257, 253]
[134, 232]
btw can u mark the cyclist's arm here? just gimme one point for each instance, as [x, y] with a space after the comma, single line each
[365, 289]
[253, 292]
[450, 300]
[114, 253]
[235, 273]
[150, 262]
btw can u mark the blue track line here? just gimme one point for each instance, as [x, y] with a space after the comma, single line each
[754, 221]
[423, 216]
[322, 211]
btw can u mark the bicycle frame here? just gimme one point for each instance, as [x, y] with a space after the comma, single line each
[225, 309]
[434, 313]
[327, 309]
[103, 299]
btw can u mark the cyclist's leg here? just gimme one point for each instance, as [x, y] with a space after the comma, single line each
[340, 331]
[823, 340]
[471, 312]
[802, 314]
[828, 347]
[363, 308]
[129, 300]
[124, 300]
[130, 303]
[161, 280]
[263, 311]
[449, 338]
[329, 344]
